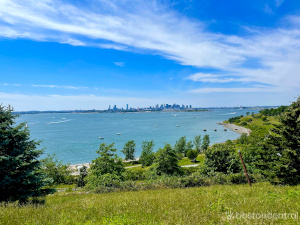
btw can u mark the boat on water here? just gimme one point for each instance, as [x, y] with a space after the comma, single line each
[177, 125]
[119, 133]
[101, 137]
[225, 129]
[215, 129]
[204, 130]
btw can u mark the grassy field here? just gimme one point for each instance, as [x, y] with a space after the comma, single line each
[202, 205]
[257, 124]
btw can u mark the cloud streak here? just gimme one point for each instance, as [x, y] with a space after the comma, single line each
[152, 28]
[46, 86]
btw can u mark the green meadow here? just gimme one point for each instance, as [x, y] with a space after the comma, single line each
[219, 204]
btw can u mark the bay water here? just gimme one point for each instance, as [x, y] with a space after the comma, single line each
[74, 137]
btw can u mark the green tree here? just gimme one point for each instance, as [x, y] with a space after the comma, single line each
[167, 161]
[285, 142]
[192, 154]
[189, 146]
[147, 157]
[180, 146]
[247, 113]
[81, 181]
[20, 169]
[56, 170]
[128, 150]
[108, 163]
[205, 142]
[222, 158]
[197, 143]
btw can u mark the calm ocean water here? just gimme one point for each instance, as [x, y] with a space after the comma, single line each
[74, 138]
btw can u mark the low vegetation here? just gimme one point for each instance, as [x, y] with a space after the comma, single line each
[226, 204]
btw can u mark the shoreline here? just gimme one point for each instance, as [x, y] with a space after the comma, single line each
[74, 168]
[236, 128]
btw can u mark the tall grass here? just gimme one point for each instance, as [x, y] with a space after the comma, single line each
[201, 205]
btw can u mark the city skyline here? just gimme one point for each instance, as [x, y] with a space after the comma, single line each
[57, 55]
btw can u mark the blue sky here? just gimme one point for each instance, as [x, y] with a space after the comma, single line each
[75, 54]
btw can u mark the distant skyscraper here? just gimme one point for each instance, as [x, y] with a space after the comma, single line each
[190, 106]
[127, 107]
[109, 107]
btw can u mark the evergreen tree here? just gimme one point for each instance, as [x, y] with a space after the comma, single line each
[147, 156]
[128, 150]
[285, 145]
[205, 142]
[20, 169]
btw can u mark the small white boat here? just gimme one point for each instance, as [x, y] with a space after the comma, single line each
[101, 137]
[156, 126]
[177, 125]
[119, 133]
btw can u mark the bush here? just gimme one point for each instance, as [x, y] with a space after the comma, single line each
[244, 124]
[222, 158]
[81, 181]
[57, 171]
[137, 174]
[192, 154]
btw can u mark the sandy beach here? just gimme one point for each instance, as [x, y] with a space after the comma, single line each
[236, 128]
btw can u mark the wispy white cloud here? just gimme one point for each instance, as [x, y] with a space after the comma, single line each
[214, 78]
[120, 64]
[46, 86]
[148, 26]
[278, 2]
[73, 42]
[57, 86]
[232, 90]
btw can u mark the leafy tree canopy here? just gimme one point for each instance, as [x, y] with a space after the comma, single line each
[128, 150]
[147, 156]
[167, 161]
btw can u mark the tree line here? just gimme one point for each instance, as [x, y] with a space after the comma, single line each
[273, 156]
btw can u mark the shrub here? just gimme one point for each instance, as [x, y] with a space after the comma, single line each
[192, 154]
[56, 170]
[244, 124]
[81, 181]
[222, 158]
